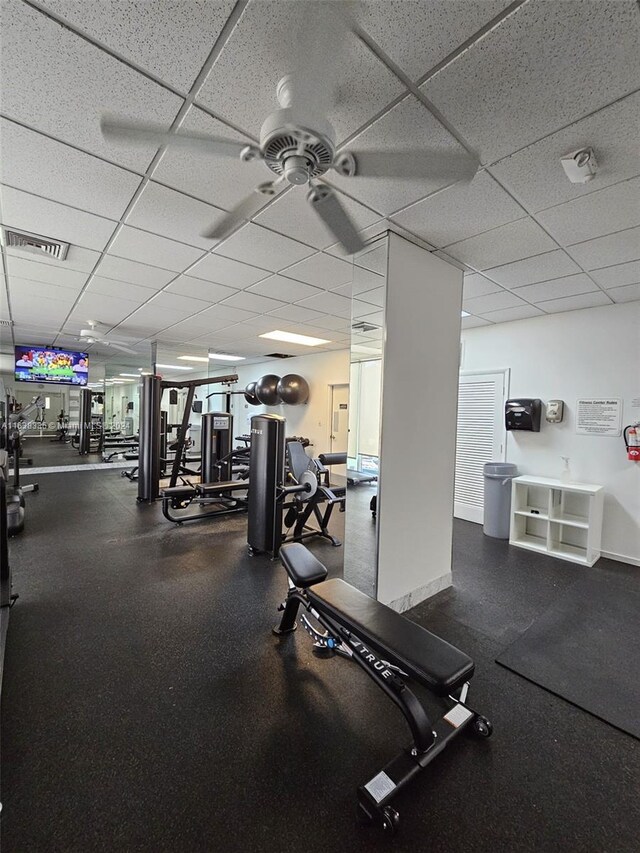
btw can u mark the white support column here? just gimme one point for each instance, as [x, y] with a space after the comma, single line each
[419, 403]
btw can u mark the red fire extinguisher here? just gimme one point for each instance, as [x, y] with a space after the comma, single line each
[631, 436]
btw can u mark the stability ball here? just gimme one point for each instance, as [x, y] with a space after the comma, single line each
[293, 389]
[267, 390]
[250, 394]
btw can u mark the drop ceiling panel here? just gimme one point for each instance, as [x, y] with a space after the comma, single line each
[34, 271]
[618, 276]
[474, 322]
[48, 313]
[35, 289]
[169, 38]
[59, 83]
[492, 302]
[502, 245]
[328, 321]
[536, 176]
[39, 216]
[224, 315]
[331, 303]
[199, 289]
[296, 314]
[608, 251]
[409, 125]
[477, 285]
[518, 78]
[567, 286]
[253, 302]
[222, 181]
[364, 280]
[102, 309]
[172, 214]
[264, 248]
[531, 270]
[461, 211]
[37, 164]
[242, 84]
[136, 245]
[82, 260]
[519, 312]
[417, 35]
[374, 297]
[131, 271]
[285, 289]
[571, 303]
[321, 270]
[625, 294]
[228, 272]
[604, 212]
[119, 289]
[292, 215]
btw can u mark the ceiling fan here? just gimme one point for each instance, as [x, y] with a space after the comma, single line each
[297, 142]
[89, 336]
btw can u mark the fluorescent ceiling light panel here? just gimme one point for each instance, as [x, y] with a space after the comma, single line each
[292, 338]
[223, 356]
[174, 367]
[193, 358]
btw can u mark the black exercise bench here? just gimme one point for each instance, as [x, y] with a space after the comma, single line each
[392, 650]
[218, 497]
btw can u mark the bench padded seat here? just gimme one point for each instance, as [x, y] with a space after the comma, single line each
[302, 567]
[438, 665]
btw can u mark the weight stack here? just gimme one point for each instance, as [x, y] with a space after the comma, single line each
[215, 444]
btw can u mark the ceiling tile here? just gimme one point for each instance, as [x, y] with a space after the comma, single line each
[292, 215]
[474, 322]
[377, 318]
[34, 271]
[517, 76]
[475, 284]
[571, 303]
[418, 35]
[226, 271]
[224, 315]
[519, 312]
[362, 309]
[242, 83]
[331, 303]
[492, 302]
[625, 294]
[599, 213]
[378, 258]
[174, 215]
[374, 297]
[169, 38]
[35, 289]
[285, 289]
[321, 270]
[327, 321]
[608, 251]
[262, 247]
[119, 289]
[142, 274]
[567, 286]
[178, 303]
[102, 309]
[531, 270]
[440, 253]
[78, 179]
[253, 302]
[39, 216]
[223, 181]
[83, 260]
[502, 245]
[136, 245]
[364, 280]
[45, 312]
[537, 178]
[461, 211]
[409, 125]
[297, 314]
[618, 276]
[61, 84]
[199, 289]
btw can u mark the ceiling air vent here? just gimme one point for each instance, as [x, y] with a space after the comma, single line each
[34, 243]
[278, 355]
[361, 326]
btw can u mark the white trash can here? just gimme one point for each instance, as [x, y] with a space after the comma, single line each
[497, 498]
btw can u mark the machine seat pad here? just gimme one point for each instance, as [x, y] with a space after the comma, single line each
[178, 492]
[302, 567]
[427, 658]
[208, 489]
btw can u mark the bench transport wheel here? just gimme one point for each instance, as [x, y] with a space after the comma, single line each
[482, 727]
[390, 820]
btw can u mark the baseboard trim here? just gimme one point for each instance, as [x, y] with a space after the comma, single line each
[620, 558]
[410, 599]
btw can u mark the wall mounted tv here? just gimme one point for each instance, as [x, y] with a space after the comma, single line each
[48, 366]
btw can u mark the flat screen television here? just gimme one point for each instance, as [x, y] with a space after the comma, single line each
[49, 366]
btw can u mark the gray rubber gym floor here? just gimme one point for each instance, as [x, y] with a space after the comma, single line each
[147, 706]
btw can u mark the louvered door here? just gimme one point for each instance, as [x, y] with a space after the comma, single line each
[480, 438]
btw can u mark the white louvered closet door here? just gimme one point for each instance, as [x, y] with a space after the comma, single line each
[480, 438]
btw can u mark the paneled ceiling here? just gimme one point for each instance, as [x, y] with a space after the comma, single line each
[520, 83]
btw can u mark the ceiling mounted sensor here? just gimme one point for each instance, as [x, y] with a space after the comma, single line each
[34, 243]
[91, 336]
[580, 166]
[297, 143]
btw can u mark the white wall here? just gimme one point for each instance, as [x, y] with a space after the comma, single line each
[590, 353]
[311, 419]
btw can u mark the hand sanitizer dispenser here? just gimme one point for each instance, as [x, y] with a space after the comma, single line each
[523, 414]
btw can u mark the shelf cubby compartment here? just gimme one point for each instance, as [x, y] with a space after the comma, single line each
[529, 532]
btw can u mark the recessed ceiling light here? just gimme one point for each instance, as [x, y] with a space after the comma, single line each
[465, 314]
[292, 338]
[223, 356]
[193, 358]
[174, 367]
[134, 375]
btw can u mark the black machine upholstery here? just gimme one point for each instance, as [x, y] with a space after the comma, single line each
[302, 567]
[298, 460]
[429, 659]
[333, 458]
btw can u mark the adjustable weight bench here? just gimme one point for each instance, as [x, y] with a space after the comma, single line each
[392, 650]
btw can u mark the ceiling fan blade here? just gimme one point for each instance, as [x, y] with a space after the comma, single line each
[426, 163]
[243, 211]
[326, 204]
[143, 133]
[120, 347]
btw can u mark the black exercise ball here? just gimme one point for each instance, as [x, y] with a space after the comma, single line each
[250, 394]
[293, 389]
[267, 390]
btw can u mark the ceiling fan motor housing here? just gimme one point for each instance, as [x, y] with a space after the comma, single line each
[296, 149]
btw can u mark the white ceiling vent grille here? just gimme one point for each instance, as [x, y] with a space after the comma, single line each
[361, 326]
[11, 237]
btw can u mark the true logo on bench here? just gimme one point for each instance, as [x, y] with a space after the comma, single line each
[379, 665]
